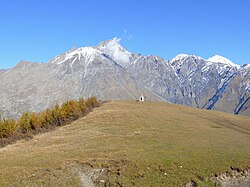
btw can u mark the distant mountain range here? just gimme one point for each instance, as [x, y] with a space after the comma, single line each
[110, 72]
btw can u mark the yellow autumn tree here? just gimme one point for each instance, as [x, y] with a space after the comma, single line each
[8, 127]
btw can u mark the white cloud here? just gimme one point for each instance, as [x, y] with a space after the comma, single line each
[130, 36]
[118, 53]
[127, 34]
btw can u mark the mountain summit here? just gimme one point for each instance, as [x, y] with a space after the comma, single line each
[109, 71]
[221, 59]
[114, 50]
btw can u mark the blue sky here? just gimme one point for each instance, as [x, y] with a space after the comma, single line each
[38, 30]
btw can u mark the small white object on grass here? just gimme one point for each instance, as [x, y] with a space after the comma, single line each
[137, 132]
[102, 181]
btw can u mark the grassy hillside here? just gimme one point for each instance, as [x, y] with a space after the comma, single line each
[130, 143]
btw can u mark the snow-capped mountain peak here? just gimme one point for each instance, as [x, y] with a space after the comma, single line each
[185, 56]
[114, 50]
[110, 48]
[107, 44]
[245, 66]
[76, 54]
[180, 57]
[83, 51]
[223, 60]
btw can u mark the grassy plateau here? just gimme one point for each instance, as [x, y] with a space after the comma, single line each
[126, 143]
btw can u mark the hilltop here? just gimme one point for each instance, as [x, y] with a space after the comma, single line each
[128, 143]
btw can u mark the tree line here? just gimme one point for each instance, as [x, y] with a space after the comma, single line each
[31, 123]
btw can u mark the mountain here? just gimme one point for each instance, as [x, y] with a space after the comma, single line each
[109, 71]
[223, 60]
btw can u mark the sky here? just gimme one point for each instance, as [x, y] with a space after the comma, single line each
[38, 30]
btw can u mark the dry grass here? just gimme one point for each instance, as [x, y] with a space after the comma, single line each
[141, 144]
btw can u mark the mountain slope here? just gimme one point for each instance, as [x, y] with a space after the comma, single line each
[131, 144]
[109, 71]
[82, 72]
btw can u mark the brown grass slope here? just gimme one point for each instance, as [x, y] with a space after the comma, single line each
[137, 144]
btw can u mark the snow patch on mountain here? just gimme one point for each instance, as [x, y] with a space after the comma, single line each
[88, 53]
[223, 60]
[182, 57]
[247, 66]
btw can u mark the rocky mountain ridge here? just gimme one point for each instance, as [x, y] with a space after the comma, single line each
[109, 71]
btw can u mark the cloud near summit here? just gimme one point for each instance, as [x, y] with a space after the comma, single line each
[119, 54]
